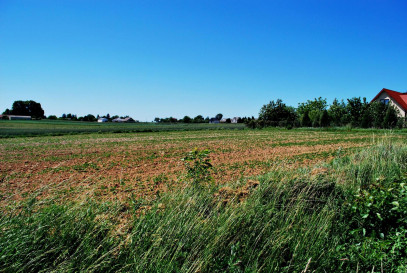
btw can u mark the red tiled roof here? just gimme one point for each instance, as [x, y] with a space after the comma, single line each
[400, 98]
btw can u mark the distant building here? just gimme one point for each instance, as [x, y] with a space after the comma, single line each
[127, 120]
[213, 120]
[17, 117]
[223, 120]
[234, 120]
[103, 120]
[397, 99]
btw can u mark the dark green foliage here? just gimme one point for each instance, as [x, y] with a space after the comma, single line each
[366, 121]
[198, 166]
[167, 120]
[276, 114]
[186, 119]
[401, 123]
[324, 120]
[336, 113]
[88, 117]
[305, 121]
[377, 111]
[199, 119]
[390, 118]
[219, 116]
[314, 108]
[356, 108]
[26, 108]
[377, 214]
[355, 113]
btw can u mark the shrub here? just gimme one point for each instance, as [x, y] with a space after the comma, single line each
[198, 165]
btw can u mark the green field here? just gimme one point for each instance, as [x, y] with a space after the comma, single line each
[50, 127]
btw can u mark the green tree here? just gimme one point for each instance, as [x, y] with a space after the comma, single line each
[314, 108]
[390, 118]
[366, 121]
[219, 116]
[324, 120]
[276, 114]
[27, 108]
[89, 117]
[305, 121]
[186, 119]
[355, 108]
[336, 112]
[377, 111]
[199, 119]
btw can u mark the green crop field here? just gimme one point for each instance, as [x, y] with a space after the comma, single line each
[56, 127]
[200, 198]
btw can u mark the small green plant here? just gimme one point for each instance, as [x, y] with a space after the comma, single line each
[198, 165]
[85, 167]
[377, 216]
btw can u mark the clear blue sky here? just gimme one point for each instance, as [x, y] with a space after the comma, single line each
[176, 58]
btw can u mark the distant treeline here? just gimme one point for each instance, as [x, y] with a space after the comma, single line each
[354, 112]
[88, 117]
[201, 119]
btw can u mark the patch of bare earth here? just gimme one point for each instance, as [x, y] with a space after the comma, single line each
[115, 168]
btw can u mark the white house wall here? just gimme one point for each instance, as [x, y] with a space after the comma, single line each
[385, 96]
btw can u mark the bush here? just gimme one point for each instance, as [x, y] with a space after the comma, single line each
[324, 119]
[198, 166]
[305, 120]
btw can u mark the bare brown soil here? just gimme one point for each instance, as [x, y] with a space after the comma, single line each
[116, 167]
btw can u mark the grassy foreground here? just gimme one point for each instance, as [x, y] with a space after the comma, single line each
[346, 216]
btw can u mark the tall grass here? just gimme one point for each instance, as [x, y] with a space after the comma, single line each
[293, 221]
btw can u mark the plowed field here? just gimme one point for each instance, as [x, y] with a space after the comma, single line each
[119, 166]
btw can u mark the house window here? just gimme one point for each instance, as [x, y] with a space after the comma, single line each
[384, 101]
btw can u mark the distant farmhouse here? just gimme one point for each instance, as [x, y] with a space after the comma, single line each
[397, 99]
[103, 120]
[128, 120]
[224, 120]
[234, 120]
[15, 117]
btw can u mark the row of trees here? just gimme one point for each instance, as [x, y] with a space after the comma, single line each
[34, 109]
[88, 117]
[198, 119]
[355, 112]
[74, 117]
[185, 119]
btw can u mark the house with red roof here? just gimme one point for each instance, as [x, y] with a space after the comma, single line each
[397, 99]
